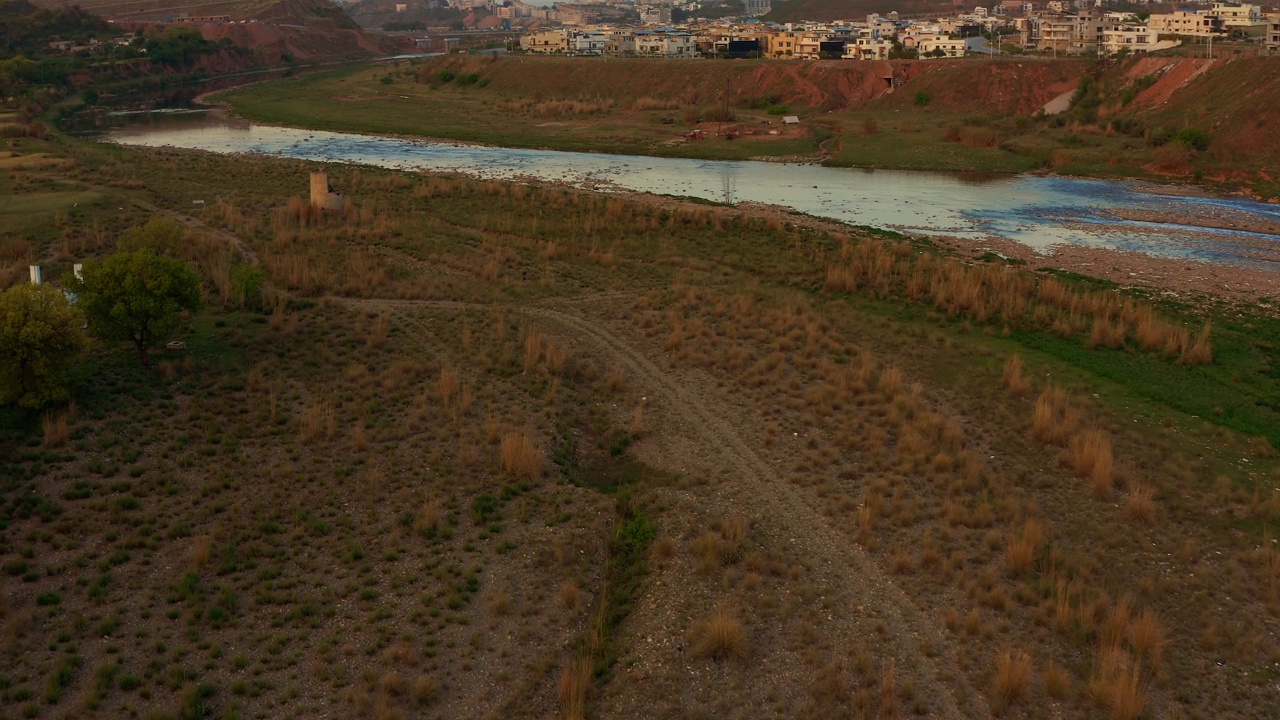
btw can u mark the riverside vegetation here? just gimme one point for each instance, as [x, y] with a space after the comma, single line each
[482, 448]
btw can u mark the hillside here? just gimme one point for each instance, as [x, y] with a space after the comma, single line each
[277, 29]
[798, 10]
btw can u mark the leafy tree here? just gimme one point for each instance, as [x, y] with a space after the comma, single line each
[41, 334]
[246, 284]
[160, 235]
[138, 296]
[178, 47]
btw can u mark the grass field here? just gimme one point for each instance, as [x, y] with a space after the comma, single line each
[498, 449]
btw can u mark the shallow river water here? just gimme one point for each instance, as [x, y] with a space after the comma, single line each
[1039, 211]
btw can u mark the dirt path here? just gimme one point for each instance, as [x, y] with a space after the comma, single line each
[842, 568]
[191, 223]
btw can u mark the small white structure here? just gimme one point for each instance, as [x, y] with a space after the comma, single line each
[790, 120]
[37, 276]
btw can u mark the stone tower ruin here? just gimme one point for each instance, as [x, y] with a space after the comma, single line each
[323, 196]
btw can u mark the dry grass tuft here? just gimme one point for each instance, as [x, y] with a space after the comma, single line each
[1148, 637]
[1090, 456]
[201, 551]
[1057, 682]
[570, 595]
[424, 689]
[1053, 419]
[1013, 677]
[575, 680]
[720, 637]
[888, 692]
[319, 421]
[1141, 506]
[500, 603]
[1024, 546]
[533, 345]
[1012, 379]
[1127, 694]
[430, 515]
[56, 428]
[519, 456]
[1199, 351]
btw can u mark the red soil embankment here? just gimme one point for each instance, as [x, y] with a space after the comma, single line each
[272, 42]
[1236, 101]
[1007, 87]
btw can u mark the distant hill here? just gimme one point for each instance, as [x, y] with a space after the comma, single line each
[294, 12]
[282, 29]
[26, 29]
[797, 10]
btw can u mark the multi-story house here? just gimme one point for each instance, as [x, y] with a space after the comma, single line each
[1273, 33]
[1182, 22]
[546, 41]
[941, 47]
[1238, 14]
[1136, 38]
[782, 43]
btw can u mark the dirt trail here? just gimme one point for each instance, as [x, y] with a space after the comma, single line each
[840, 566]
[191, 223]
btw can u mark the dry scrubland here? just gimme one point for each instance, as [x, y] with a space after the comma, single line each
[491, 449]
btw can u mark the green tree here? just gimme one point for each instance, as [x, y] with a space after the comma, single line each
[161, 235]
[41, 335]
[246, 284]
[138, 296]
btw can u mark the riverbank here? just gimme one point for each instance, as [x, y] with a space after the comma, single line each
[926, 123]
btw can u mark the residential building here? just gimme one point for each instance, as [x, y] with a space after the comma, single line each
[1182, 22]
[1238, 14]
[781, 44]
[592, 42]
[756, 8]
[868, 47]
[1074, 34]
[1273, 33]
[655, 15]
[1137, 38]
[665, 44]
[546, 41]
[941, 47]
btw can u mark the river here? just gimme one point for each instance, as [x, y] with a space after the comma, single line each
[1038, 211]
